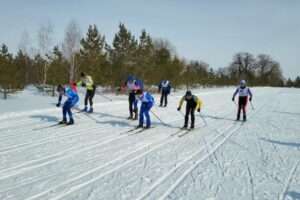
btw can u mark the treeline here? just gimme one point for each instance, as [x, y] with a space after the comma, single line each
[145, 57]
[293, 83]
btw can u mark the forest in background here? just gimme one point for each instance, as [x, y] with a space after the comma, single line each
[143, 56]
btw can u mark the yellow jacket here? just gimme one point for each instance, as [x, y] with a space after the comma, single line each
[194, 100]
[87, 81]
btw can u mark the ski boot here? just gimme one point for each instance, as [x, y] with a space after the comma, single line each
[245, 118]
[71, 122]
[91, 110]
[63, 122]
[192, 126]
[139, 126]
[85, 109]
[184, 127]
[147, 126]
[130, 117]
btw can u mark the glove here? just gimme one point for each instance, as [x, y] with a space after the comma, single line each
[58, 105]
[232, 99]
[198, 110]
[250, 99]
[178, 108]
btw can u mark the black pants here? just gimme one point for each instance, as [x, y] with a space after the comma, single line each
[242, 107]
[89, 95]
[132, 104]
[189, 111]
[164, 97]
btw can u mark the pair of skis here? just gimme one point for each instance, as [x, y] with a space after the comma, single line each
[50, 126]
[182, 132]
[136, 130]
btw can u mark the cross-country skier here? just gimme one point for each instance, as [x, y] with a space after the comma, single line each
[72, 98]
[60, 90]
[133, 85]
[243, 91]
[147, 101]
[192, 103]
[87, 81]
[164, 88]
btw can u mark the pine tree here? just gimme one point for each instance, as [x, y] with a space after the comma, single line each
[122, 55]
[92, 58]
[7, 69]
[22, 63]
[145, 59]
[58, 68]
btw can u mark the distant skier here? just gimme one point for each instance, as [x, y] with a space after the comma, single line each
[192, 103]
[164, 88]
[72, 98]
[87, 81]
[243, 91]
[133, 85]
[60, 90]
[147, 101]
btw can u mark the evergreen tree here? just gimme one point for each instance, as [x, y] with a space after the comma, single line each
[58, 68]
[92, 59]
[122, 54]
[297, 82]
[22, 63]
[7, 69]
[145, 59]
[290, 83]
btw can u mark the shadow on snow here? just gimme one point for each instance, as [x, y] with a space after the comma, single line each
[291, 144]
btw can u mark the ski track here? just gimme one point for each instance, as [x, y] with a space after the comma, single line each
[100, 162]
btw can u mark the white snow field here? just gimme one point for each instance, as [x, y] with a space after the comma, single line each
[97, 160]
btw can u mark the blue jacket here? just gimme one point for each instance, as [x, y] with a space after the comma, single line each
[137, 82]
[147, 98]
[72, 96]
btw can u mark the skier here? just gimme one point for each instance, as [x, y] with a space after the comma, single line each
[87, 81]
[72, 99]
[192, 103]
[243, 91]
[147, 101]
[164, 88]
[60, 90]
[133, 85]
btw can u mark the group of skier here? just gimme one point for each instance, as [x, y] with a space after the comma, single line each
[136, 93]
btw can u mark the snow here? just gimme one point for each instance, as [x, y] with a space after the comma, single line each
[95, 159]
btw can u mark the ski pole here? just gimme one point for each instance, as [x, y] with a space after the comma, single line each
[182, 113]
[203, 119]
[105, 97]
[252, 105]
[235, 103]
[158, 117]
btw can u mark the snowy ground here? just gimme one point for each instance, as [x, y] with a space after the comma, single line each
[94, 159]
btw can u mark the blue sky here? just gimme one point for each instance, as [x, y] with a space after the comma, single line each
[208, 30]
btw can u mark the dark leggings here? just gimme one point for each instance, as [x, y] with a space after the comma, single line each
[189, 111]
[242, 106]
[132, 104]
[164, 97]
[89, 97]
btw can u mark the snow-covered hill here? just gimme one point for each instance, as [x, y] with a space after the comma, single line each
[96, 159]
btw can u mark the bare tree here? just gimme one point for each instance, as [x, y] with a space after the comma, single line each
[25, 42]
[45, 41]
[71, 45]
[243, 65]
